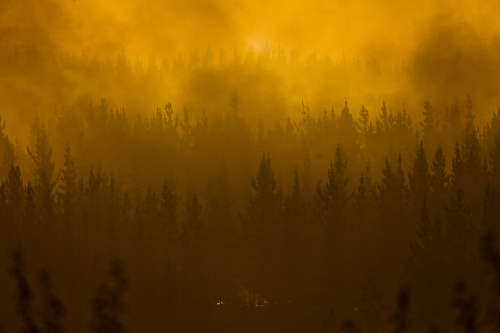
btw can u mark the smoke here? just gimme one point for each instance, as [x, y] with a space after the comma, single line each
[440, 50]
[453, 59]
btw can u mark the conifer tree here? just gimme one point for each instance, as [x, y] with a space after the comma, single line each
[168, 209]
[474, 181]
[419, 178]
[495, 163]
[30, 213]
[461, 234]
[264, 232]
[457, 177]
[23, 292]
[491, 208]
[108, 305]
[7, 152]
[68, 187]
[14, 197]
[439, 180]
[333, 198]
[223, 239]
[44, 171]
[429, 126]
[193, 225]
[52, 308]
[295, 245]
[348, 136]
[194, 253]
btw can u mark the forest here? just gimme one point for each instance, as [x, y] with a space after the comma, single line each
[244, 187]
[325, 223]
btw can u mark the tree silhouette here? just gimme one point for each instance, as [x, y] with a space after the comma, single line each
[419, 178]
[23, 293]
[439, 181]
[53, 310]
[108, 305]
[41, 154]
[333, 198]
[68, 187]
[264, 232]
[400, 317]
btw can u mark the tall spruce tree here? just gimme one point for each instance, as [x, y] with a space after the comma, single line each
[333, 198]
[68, 190]
[419, 179]
[41, 154]
[439, 182]
[264, 234]
[108, 305]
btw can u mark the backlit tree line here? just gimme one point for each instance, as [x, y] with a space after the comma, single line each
[290, 226]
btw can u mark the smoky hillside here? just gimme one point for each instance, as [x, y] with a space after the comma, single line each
[220, 166]
[349, 219]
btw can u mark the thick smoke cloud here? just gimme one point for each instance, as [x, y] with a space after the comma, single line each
[453, 60]
[440, 50]
[388, 29]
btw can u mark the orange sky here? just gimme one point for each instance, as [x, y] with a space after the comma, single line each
[387, 29]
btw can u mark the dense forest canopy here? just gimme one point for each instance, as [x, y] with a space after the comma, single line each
[212, 166]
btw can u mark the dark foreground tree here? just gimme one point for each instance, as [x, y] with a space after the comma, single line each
[52, 310]
[23, 292]
[108, 305]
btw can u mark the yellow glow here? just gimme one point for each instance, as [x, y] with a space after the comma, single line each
[389, 34]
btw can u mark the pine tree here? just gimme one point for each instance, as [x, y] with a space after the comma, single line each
[365, 203]
[400, 318]
[424, 230]
[460, 234]
[491, 208]
[474, 182]
[168, 209]
[108, 305]
[169, 237]
[295, 245]
[394, 226]
[468, 311]
[264, 233]
[492, 255]
[14, 197]
[193, 226]
[495, 163]
[365, 128]
[7, 152]
[348, 135]
[52, 310]
[363, 119]
[333, 198]
[393, 189]
[3, 202]
[23, 292]
[30, 213]
[194, 253]
[429, 126]
[265, 202]
[223, 239]
[307, 178]
[44, 170]
[419, 178]
[439, 180]
[384, 118]
[68, 188]
[457, 177]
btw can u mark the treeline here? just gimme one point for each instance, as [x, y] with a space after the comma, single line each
[273, 79]
[336, 214]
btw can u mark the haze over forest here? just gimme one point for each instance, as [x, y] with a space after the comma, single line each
[253, 166]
